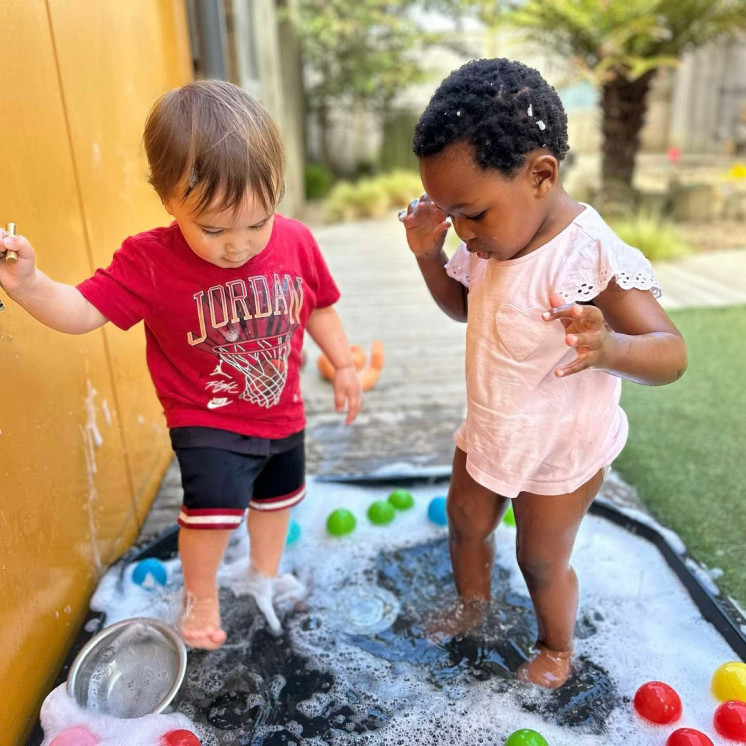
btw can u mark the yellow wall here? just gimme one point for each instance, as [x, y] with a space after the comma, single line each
[82, 439]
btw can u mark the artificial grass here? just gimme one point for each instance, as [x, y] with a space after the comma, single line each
[686, 452]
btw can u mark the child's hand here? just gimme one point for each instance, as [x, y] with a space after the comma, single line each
[585, 330]
[14, 274]
[347, 389]
[426, 227]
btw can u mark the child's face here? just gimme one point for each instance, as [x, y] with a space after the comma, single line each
[225, 238]
[496, 217]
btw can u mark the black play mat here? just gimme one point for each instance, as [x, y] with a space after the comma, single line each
[249, 691]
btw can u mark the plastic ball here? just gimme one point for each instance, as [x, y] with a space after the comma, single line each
[436, 511]
[74, 737]
[526, 737]
[729, 682]
[149, 572]
[340, 522]
[180, 738]
[509, 517]
[401, 499]
[658, 702]
[293, 532]
[688, 737]
[381, 512]
[730, 720]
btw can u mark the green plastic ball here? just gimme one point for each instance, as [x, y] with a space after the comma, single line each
[526, 737]
[509, 517]
[340, 522]
[381, 512]
[401, 499]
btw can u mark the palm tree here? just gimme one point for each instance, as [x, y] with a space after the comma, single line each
[620, 44]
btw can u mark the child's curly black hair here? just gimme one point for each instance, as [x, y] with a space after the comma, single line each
[504, 109]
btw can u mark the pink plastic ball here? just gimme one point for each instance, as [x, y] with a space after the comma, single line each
[730, 720]
[74, 737]
[658, 702]
[180, 738]
[688, 737]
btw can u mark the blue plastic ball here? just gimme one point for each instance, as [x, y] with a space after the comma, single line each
[293, 531]
[150, 568]
[436, 511]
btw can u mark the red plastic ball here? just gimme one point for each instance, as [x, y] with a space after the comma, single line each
[688, 737]
[658, 703]
[730, 720]
[180, 738]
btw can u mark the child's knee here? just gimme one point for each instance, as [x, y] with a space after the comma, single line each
[466, 522]
[539, 569]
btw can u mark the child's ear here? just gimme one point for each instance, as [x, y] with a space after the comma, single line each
[544, 171]
[167, 204]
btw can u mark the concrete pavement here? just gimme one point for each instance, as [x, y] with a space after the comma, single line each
[410, 415]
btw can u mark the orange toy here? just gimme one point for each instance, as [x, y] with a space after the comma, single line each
[368, 375]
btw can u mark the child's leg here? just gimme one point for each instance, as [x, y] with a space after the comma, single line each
[278, 487]
[217, 485]
[546, 529]
[268, 530]
[473, 514]
[201, 552]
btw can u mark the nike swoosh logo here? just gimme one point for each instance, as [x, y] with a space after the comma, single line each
[215, 403]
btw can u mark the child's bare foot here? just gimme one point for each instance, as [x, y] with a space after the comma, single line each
[458, 620]
[200, 623]
[548, 668]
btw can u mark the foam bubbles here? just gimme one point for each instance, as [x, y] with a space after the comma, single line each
[368, 671]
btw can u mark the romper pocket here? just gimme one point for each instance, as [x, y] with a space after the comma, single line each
[522, 332]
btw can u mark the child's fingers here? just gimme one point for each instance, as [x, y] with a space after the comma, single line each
[354, 405]
[581, 362]
[11, 246]
[423, 204]
[569, 311]
[590, 341]
[340, 397]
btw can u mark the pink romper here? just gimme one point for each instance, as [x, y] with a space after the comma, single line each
[526, 429]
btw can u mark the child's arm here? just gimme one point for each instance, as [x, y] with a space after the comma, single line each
[55, 304]
[626, 333]
[426, 228]
[326, 330]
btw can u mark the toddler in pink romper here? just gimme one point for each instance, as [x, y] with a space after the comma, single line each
[526, 429]
[558, 310]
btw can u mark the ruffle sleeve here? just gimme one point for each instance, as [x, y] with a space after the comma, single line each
[461, 265]
[595, 263]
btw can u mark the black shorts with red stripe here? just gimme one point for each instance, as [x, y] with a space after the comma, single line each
[221, 482]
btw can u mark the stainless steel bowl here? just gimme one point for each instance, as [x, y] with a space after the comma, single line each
[132, 668]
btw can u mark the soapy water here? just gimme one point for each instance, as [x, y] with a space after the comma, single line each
[355, 664]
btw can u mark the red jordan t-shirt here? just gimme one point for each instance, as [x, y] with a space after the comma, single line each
[223, 345]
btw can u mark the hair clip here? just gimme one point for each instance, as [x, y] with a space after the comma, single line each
[192, 179]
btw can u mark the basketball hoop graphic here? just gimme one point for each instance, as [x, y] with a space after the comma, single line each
[263, 363]
[257, 348]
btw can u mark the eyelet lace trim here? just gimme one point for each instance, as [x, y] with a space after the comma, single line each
[459, 266]
[627, 281]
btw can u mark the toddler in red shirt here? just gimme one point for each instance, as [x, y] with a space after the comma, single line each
[225, 292]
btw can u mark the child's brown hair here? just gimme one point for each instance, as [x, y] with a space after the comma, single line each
[213, 139]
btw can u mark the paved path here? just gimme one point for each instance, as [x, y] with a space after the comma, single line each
[409, 417]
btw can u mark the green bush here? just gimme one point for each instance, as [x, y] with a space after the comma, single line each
[656, 237]
[370, 198]
[318, 181]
